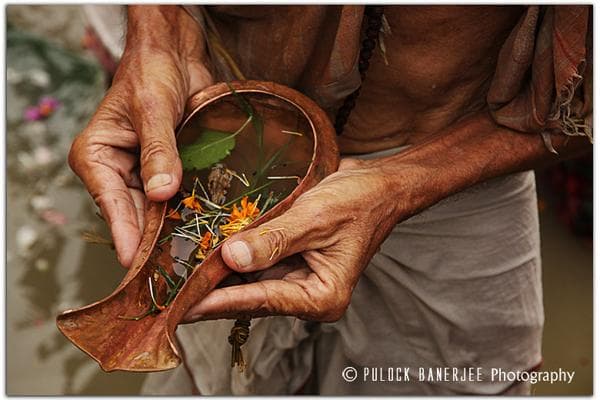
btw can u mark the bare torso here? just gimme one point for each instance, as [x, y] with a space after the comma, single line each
[441, 60]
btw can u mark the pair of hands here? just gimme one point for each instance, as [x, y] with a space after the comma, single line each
[127, 155]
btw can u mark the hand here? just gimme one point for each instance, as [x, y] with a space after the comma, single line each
[336, 227]
[163, 64]
[339, 224]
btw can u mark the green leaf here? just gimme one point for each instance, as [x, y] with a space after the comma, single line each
[212, 147]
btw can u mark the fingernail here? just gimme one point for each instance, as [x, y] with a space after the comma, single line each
[157, 181]
[240, 252]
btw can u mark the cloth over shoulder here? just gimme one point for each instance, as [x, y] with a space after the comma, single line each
[542, 83]
[543, 79]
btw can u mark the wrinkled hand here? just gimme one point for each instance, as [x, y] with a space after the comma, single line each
[336, 227]
[127, 153]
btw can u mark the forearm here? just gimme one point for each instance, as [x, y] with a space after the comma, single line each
[472, 151]
[165, 52]
[167, 32]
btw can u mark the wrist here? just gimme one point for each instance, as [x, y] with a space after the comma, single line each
[164, 28]
[468, 152]
[398, 187]
[403, 185]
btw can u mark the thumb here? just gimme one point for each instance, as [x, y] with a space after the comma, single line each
[262, 247]
[161, 169]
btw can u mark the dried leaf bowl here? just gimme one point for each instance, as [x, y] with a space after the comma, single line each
[149, 344]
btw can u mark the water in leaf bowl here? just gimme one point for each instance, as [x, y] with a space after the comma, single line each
[241, 155]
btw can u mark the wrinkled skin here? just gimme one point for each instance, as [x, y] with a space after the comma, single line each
[134, 127]
[336, 227]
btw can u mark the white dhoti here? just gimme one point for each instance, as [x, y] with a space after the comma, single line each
[458, 285]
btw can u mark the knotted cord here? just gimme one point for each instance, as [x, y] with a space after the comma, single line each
[237, 338]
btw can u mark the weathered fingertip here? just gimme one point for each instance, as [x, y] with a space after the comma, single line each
[126, 242]
[191, 318]
[204, 309]
[237, 255]
[158, 181]
[125, 257]
[161, 187]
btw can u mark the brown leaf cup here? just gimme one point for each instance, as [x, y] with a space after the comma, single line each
[149, 344]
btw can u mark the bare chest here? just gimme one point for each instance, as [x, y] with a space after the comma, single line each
[437, 48]
[437, 66]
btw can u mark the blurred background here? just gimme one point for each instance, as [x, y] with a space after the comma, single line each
[56, 75]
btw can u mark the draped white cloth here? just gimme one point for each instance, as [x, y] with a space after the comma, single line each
[458, 285]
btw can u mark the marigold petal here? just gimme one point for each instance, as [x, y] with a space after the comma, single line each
[192, 203]
[173, 214]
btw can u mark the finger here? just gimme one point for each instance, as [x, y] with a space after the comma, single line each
[115, 200]
[139, 200]
[122, 162]
[120, 211]
[259, 248]
[286, 267]
[104, 143]
[252, 299]
[302, 295]
[289, 267]
[154, 117]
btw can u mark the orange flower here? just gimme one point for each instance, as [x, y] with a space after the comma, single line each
[247, 210]
[192, 203]
[205, 242]
[173, 214]
[205, 246]
[240, 217]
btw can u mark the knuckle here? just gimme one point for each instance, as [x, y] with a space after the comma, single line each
[351, 163]
[154, 97]
[336, 312]
[268, 304]
[75, 152]
[328, 304]
[146, 98]
[113, 196]
[116, 203]
[155, 148]
[105, 155]
[80, 153]
[336, 305]
[277, 239]
[114, 104]
[322, 215]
